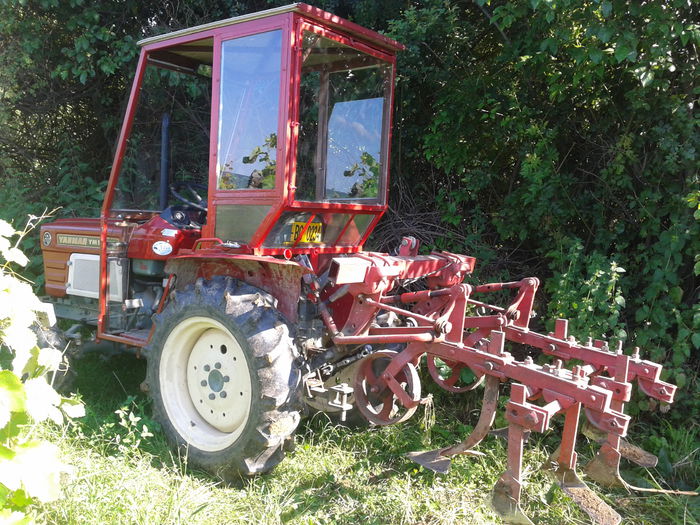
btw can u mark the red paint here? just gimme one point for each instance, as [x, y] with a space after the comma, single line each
[145, 236]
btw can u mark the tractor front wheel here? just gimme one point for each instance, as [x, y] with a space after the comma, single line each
[222, 377]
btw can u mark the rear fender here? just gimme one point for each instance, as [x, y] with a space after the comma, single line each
[280, 278]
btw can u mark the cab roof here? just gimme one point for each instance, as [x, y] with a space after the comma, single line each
[306, 10]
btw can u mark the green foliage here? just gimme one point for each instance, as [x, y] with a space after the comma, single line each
[29, 468]
[563, 143]
[585, 288]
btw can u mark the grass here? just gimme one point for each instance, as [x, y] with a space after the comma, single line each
[335, 475]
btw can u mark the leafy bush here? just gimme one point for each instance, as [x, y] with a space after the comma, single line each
[563, 144]
[30, 469]
[586, 289]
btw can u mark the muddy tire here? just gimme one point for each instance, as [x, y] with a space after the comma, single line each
[222, 376]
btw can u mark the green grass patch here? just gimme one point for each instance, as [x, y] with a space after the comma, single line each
[125, 473]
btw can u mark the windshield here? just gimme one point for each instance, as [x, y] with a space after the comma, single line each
[343, 123]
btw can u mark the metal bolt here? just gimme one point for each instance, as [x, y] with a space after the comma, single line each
[207, 368]
[217, 365]
[528, 360]
[223, 393]
[557, 365]
[203, 383]
[589, 342]
[212, 397]
[635, 355]
[552, 348]
[226, 379]
[619, 348]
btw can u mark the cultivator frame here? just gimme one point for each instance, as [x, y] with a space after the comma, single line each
[387, 388]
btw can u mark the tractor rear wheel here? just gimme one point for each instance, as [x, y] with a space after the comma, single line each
[222, 377]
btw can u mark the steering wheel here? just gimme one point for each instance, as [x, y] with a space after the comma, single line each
[199, 203]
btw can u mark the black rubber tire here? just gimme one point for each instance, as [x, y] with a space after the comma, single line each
[264, 337]
[63, 379]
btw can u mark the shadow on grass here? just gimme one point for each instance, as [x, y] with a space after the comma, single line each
[107, 380]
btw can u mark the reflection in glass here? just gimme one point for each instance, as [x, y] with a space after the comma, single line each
[342, 132]
[249, 111]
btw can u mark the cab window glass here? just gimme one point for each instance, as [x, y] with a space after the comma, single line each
[342, 132]
[249, 111]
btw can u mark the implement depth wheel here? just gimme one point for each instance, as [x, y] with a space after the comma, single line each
[222, 377]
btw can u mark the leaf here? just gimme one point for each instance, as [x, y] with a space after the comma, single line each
[12, 390]
[14, 517]
[681, 379]
[6, 229]
[606, 8]
[622, 51]
[20, 499]
[36, 468]
[596, 55]
[15, 255]
[685, 37]
[605, 33]
[676, 294]
[646, 77]
[18, 422]
[695, 338]
[73, 407]
[42, 400]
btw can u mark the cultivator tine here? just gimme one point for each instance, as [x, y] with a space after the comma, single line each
[432, 460]
[604, 469]
[599, 511]
[439, 460]
[506, 492]
[628, 451]
[562, 468]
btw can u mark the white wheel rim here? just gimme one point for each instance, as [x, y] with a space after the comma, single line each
[205, 383]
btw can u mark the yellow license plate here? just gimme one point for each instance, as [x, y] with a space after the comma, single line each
[311, 235]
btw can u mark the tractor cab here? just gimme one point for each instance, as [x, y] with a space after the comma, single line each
[267, 134]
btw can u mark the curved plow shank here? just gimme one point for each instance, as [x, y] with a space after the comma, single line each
[439, 460]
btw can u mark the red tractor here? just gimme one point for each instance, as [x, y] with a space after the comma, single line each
[250, 170]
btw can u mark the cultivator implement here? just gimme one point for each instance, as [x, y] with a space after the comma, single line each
[438, 326]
